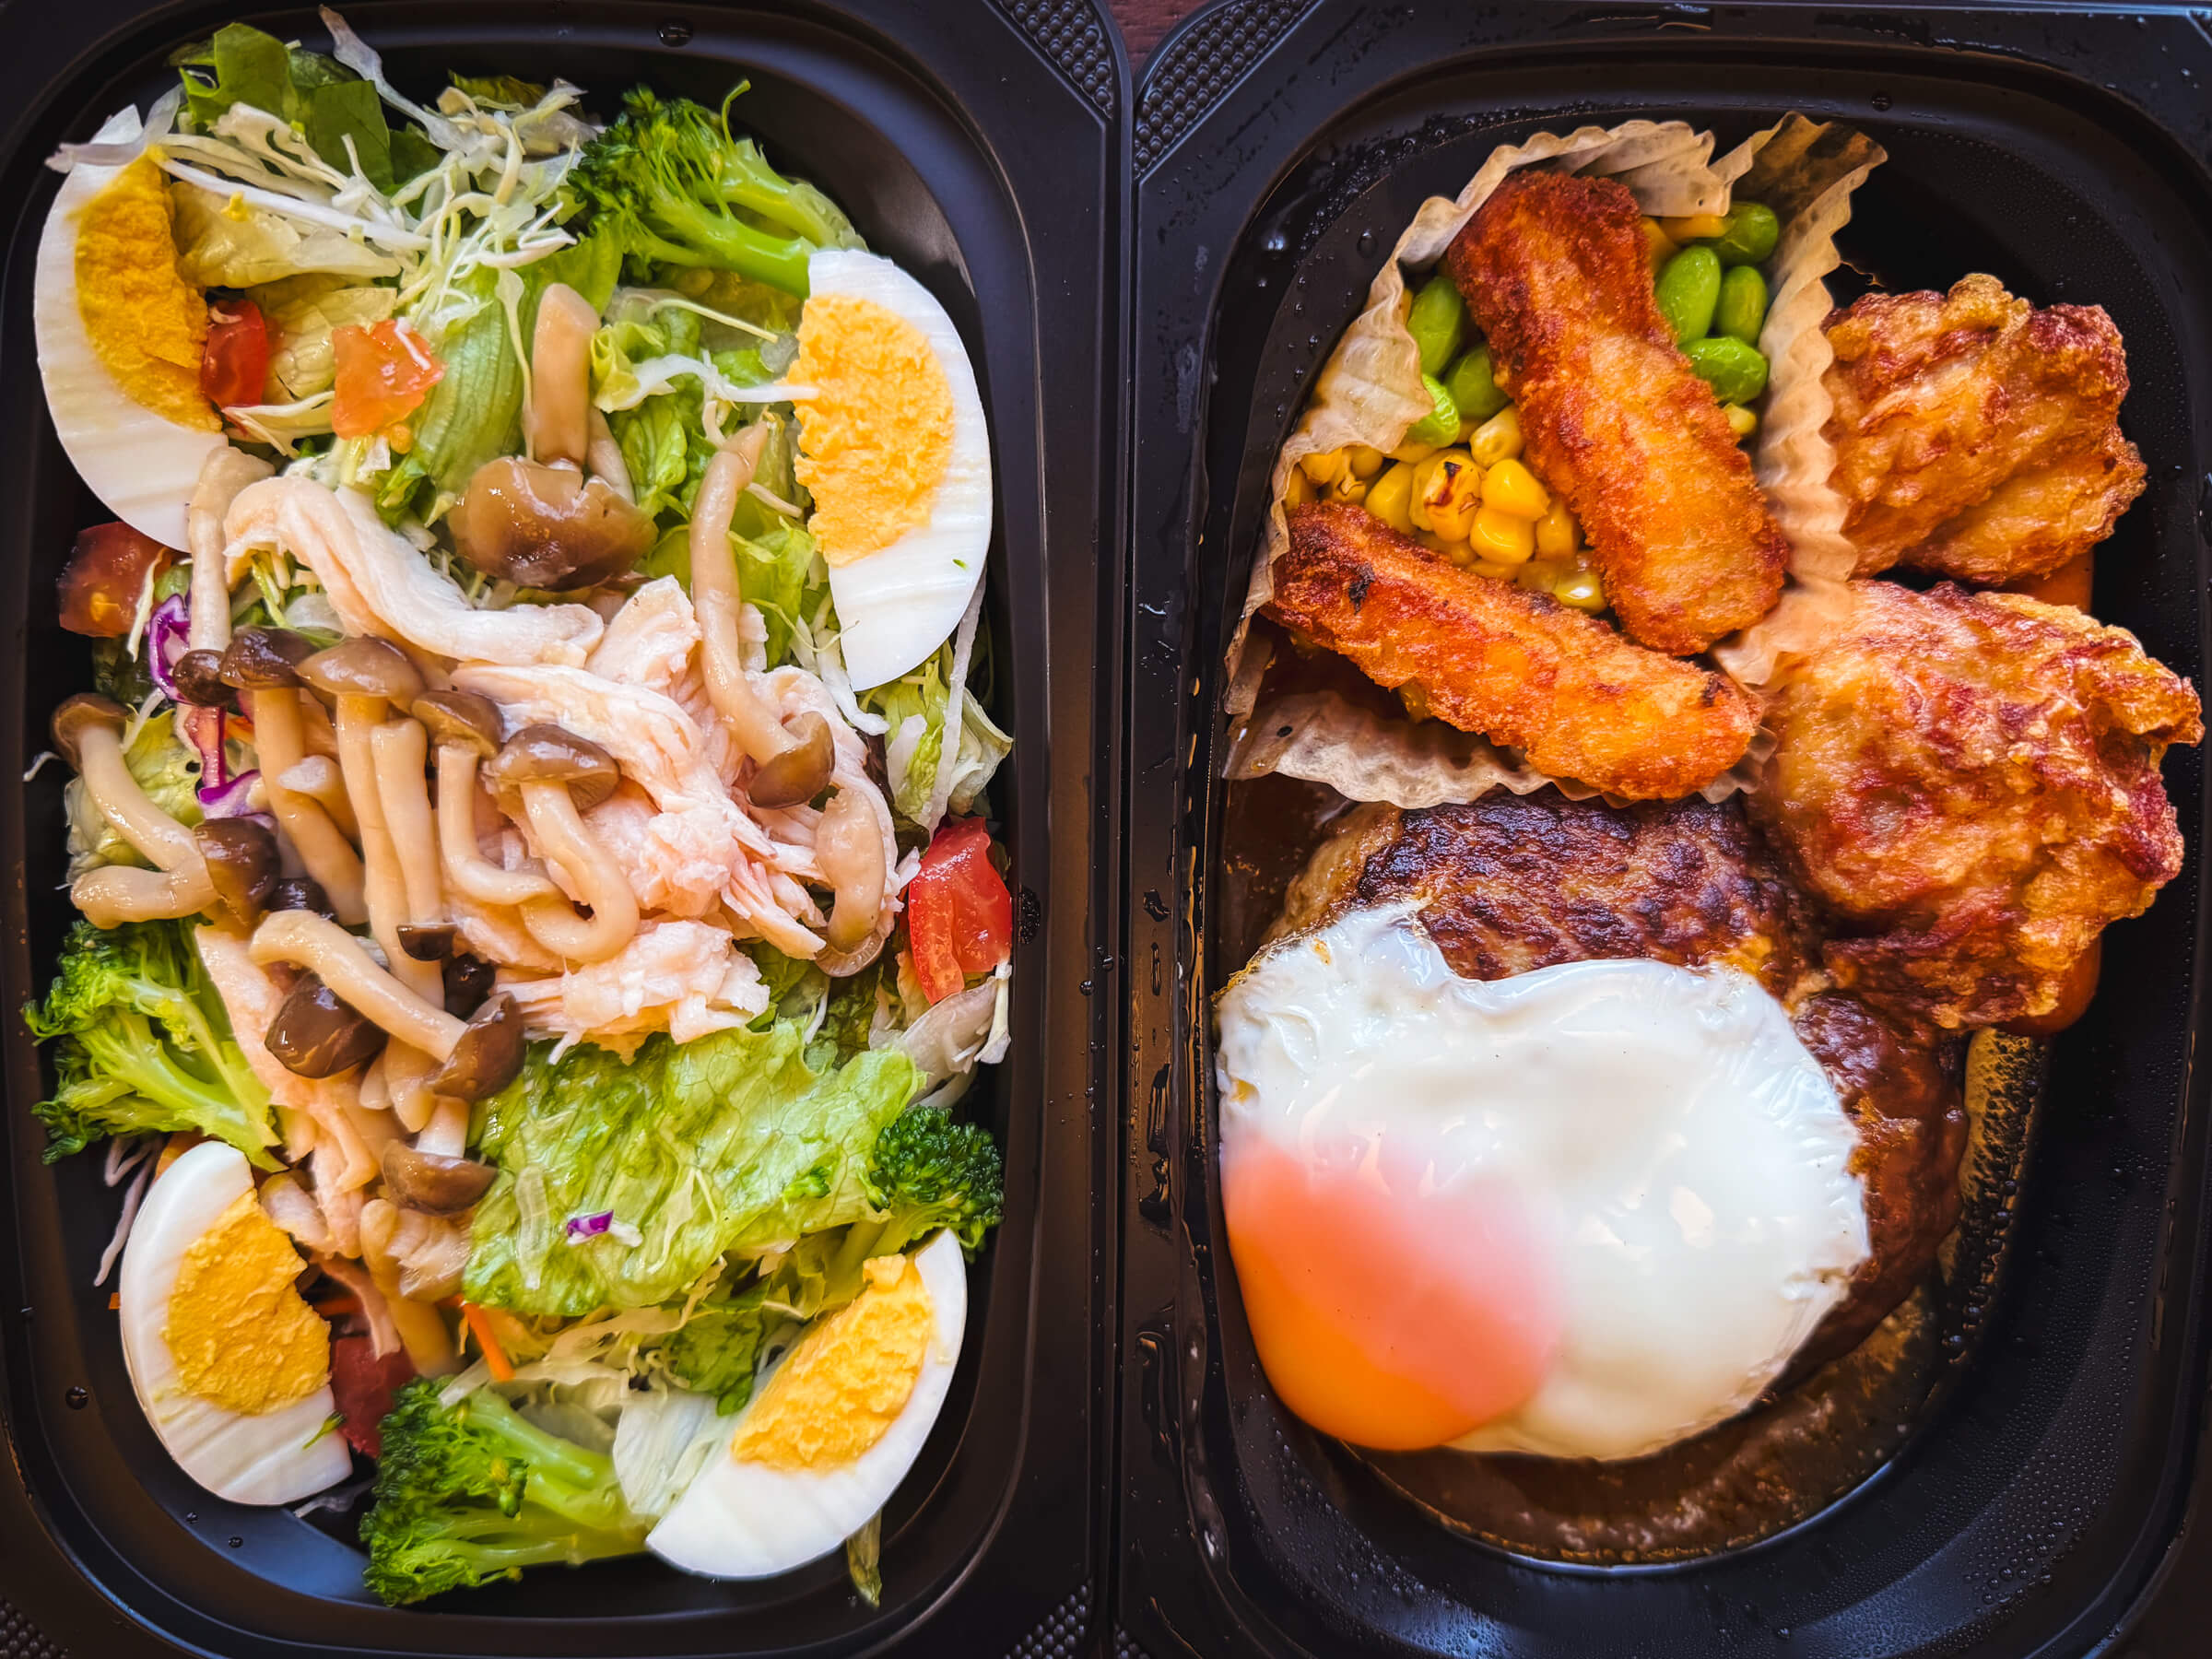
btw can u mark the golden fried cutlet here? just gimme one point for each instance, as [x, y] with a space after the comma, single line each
[1510, 884]
[1977, 437]
[1553, 269]
[1969, 784]
[1518, 666]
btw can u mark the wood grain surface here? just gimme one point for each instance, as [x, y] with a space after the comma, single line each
[1145, 22]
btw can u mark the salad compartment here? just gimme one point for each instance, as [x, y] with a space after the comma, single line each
[967, 145]
[2037, 1498]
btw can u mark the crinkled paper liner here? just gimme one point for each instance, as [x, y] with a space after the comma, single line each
[1370, 391]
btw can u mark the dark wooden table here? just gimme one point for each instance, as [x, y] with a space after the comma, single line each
[1144, 22]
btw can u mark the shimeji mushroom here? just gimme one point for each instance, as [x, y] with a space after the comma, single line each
[263, 665]
[466, 728]
[87, 732]
[559, 777]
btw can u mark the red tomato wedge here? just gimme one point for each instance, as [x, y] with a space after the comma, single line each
[363, 1386]
[384, 372]
[959, 917]
[235, 362]
[106, 576]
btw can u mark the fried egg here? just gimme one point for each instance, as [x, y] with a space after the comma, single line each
[120, 334]
[230, 1364]
[1582, 1212]
[893, 448]
[831, 1433]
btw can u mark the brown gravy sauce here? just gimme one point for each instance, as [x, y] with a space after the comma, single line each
[1790, 1456]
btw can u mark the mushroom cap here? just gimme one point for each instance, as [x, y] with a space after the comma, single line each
[364, 667]
[432, 1182]
[548, 754]
[428, 942]
[461, 719]
[316, 1034]
[488, 1054]
[242, 863]
[79, 714]
[198, 674]
[301, 892]
[264, 659]
[545, 526]
[801, 772]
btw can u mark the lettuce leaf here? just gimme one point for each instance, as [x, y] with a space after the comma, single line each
[222, 245]
[316, 94]
[731, 1142]
[302, 312]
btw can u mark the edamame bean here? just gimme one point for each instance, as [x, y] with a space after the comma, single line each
[1438, 322]
[1736, 371]
[1689, 287]
[1440, 425]
[1752, 233]
[1474, 386]
[1743, 305]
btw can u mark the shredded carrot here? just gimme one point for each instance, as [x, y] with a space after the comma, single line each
[115, 1300]
[479, 1324]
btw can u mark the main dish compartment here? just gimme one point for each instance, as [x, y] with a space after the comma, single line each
[846, 99]
[2027, 1474]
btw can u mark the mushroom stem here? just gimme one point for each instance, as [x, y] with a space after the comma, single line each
[421, 1332]
[279, 738]
[318, 778]
[401, 748]
[848, 844]
[226, 471]
[123, 804]
[465, 866]
[446, 1134]
[561, 376]
[307, 940]
[604, 456]
[561, 831]
[114, 894]
[715, 597]
[384, 886]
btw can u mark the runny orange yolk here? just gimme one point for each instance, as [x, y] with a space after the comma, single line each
[876, 431]
[1388, 1310]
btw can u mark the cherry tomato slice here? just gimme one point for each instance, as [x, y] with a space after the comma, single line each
[384, 372]
[959, 917]
[235, 362]
[105, 578]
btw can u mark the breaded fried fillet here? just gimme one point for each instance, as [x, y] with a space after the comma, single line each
[1976, 436]
[1511, 884]
[1517, 667]
[1553, 268]
[1969, 784]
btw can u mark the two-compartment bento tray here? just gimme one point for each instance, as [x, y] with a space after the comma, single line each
[1280, 147]
[979, 144]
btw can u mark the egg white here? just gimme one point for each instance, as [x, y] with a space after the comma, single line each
[141, 465]
[745, 1521]
[1688, 1156]
[902, 602]
[279, 1456]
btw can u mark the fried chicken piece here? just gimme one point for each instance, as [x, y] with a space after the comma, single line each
[1553, 268]
[1511, 884]
[1977, 437]
[1969, 784]
[1518, 666]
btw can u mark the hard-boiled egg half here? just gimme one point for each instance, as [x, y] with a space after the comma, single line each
[893, 449]
[1581, 1212]
[832, 1431]
[230, 1364]
[119, 335]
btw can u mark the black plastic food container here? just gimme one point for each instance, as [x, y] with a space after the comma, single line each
[979, 144]
[1279, 150]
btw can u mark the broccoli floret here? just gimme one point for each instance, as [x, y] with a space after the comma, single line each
[679, 190]
[930, 1171]
[144, 1044]
[473, 1492]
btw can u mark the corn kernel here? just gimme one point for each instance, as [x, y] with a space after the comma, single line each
[1695, 227]
[1512, 487]
[1411, 451]
[1298, 491]
[1658, 246]
[1502, 538]
[1447, 488]
[1349, 488]
[1390, 497]
[1582, 590]
[1541, 574]
[1557, 532]
[1324, 467]
[1497, 438]
[1494, 570]
[1458, 552]
[1743, 422]
[1365, 460]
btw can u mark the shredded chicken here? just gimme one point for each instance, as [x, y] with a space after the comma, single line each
[684, 977]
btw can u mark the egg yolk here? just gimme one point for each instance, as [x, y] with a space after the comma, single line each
[146, 325]
[876, 431]
[241, 1333]
[1388, 1310]
[848, 1379]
